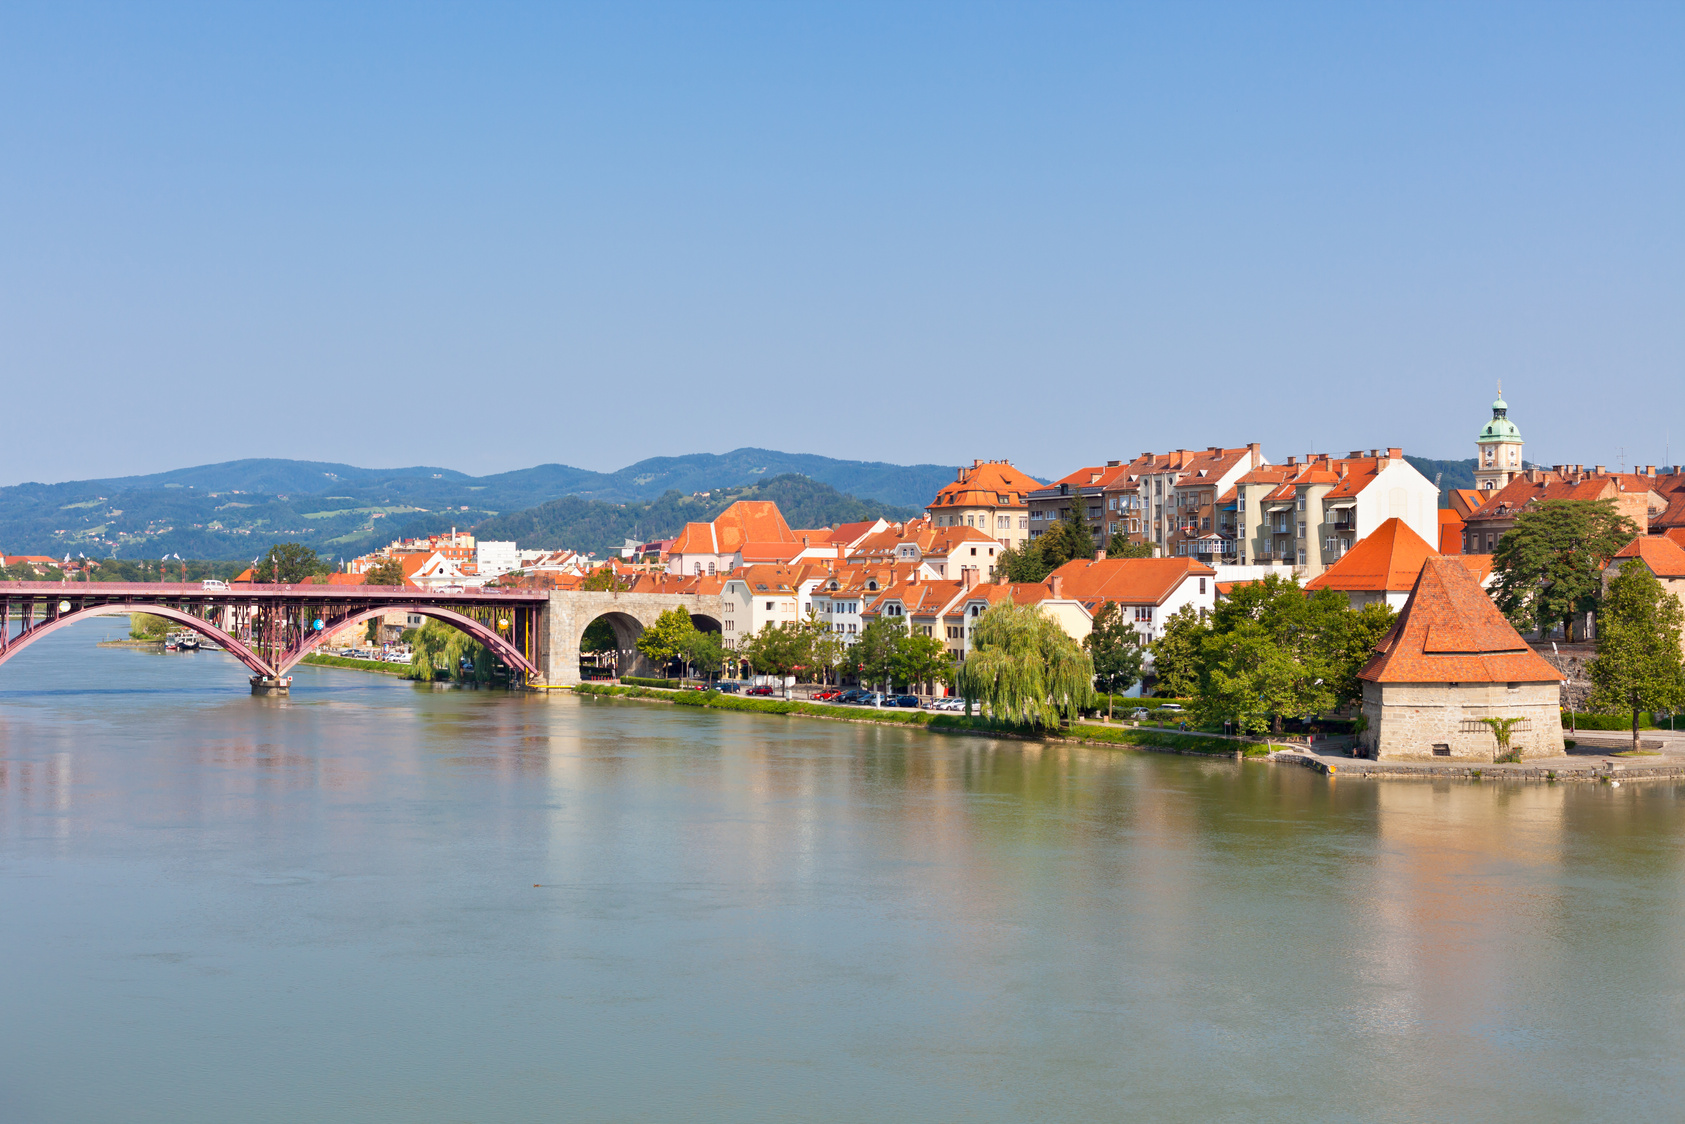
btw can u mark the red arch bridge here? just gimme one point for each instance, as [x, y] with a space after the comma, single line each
[269, 628]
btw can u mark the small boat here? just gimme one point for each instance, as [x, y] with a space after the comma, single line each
[187, 643]
[171, 642]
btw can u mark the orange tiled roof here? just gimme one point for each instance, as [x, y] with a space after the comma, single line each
[1677, 534]
[1130, 581]
[983, 484]
[1019, 593]
[746, 521]
[1508, 501]
[1389, 558]
[918, 598]
[1450, 632]
[1664, 556]
[1450, 531]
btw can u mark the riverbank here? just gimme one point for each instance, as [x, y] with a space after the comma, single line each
[1598, 767]
[130, 644]
[1148, 738]
[380, 667]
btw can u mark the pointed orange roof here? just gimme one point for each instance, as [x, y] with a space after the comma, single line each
[1389, 558]
[1450, 632]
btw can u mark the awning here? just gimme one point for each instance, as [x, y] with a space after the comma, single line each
[1340, 505]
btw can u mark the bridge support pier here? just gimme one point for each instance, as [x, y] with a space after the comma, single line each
[267, 685]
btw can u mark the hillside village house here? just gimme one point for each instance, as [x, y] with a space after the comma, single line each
[758, 596]
[1181, 493]
[990, 496]
[939, 552]
[1303, 516]
[748, 533]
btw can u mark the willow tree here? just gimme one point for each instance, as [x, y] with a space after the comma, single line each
[438, 651]
[1023, 668]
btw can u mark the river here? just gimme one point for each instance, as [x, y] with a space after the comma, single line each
[375, 901]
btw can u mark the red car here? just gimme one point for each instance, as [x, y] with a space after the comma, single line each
[758, 691]
[828, 694]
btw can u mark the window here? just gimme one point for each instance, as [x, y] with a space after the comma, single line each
[769, 604]
[1144, 613]
[1345, 545]
[1301, 503]
[1036, 515]
[1202, 585]
[1328, 545]
[1003, 522]
[1023, 522]
[710, 569]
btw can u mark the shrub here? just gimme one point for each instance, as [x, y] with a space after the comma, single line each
[1582, 721]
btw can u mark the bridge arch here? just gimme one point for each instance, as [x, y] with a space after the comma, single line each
[479, 630]
[203, 627]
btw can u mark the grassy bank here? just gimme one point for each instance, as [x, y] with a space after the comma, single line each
[1084, 733]
[319, 660]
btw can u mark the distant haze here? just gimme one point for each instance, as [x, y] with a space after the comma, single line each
[492, 236]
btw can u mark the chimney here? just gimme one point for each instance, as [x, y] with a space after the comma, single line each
[1396, 454]
[1056, 584]
[1292, 460]
[968, 578]
[1100, 555]
[1113, 464]
[1600, 470]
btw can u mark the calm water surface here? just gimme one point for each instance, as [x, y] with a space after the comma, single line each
[220, 908]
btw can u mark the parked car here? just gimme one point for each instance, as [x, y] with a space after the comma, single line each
[828, 694]
[758, 691]
[1174, 708]
[872, 698]
[904, 700]
[728, 688]
[1139, 712]
[213, 584]
[853, 695]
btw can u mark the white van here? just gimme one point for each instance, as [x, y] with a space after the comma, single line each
[212, 583]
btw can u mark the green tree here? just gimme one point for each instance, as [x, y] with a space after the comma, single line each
[289, 563]
[1354, 645]
[1176, 653]
[1022, 564]
[1638, 661]
[826, 649]
[703, 652]
[599, 637]
[438, 652]
[388, 572]
[1121, 547]
[918, 659]
[1115, 647]
[776, 651]
[1023, 668]
[145, 626]
[603, 579]
[1247, 678]
[664, 640]
[874, 653]
[1549, 566]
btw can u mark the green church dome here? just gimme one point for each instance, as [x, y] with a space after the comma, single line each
[1500, 428]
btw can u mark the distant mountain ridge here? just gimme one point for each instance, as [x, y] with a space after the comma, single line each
[237, 508]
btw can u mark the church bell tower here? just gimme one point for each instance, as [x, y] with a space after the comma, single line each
[1498, 460]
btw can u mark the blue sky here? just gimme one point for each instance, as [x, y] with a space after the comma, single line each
[489, 236]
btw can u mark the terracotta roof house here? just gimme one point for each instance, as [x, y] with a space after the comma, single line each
[1049, 596]
[1383, 567]
[1665, 557]
[1086, 490]
[717, 547]
[1148, 589]
[1450, 660]
[990, 495]
[1635, 495]
[1305, 515]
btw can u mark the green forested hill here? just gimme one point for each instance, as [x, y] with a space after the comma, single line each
[1452, 474]
[596, 527]
[235, 510]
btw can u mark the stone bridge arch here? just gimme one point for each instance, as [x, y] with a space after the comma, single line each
[570, 612]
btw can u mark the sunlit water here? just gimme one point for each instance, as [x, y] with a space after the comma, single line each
[323, 908]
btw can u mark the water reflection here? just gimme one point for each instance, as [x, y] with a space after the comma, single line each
[442, 904]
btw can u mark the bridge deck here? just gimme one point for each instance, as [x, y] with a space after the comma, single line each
[194, 591]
